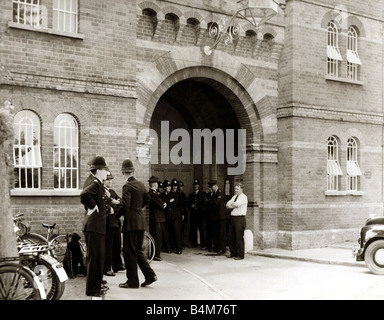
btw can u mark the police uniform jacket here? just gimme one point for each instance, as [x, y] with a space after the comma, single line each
[156, 207]
[92, 195]
[112, 220]
[134, 198]
[172, 211]
[198, 200]
[218, 203]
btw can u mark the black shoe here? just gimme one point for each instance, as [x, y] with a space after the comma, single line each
[109, 273]
[99, 294]
[148, 282]
[119, 269]
[104, 282]
[157, 259]
[238, 258]
[104, 288]
[221, 252]
[178, 252]
[230, 256]
[125, 285]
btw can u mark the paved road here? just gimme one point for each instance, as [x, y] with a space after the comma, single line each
[197, 275]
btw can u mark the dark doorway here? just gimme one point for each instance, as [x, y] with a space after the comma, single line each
[195, 103]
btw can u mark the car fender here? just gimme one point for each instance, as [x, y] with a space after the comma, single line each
[378, 235]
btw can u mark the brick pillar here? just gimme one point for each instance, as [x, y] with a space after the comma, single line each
[260, 179]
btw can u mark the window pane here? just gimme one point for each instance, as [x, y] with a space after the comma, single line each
[65, 15]
[56, 179]
[65, 156]
[74, 6]
[27, 150]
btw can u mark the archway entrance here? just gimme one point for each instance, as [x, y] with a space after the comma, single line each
[194, 105]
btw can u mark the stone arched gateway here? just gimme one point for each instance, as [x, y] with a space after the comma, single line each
[252, 105]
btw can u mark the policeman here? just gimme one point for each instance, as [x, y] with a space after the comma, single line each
[94, 226]
[157, 217]
[134, 198]
[219, 219]
[209, 211]
[173, 215]
[113, 262]
[165, 196]
[160, 187]
[184, 213]
[197, 211]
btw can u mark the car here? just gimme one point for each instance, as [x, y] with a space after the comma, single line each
[371, 245]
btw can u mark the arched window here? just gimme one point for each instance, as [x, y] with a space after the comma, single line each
[353, 168]
[66, 152]
[333, 165]
[27, 150]
[353, 59]
[333, 51]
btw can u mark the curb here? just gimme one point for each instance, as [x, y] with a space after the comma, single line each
[306, 259]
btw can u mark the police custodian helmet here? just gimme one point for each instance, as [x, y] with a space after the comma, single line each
[99, 163]
[127, 166]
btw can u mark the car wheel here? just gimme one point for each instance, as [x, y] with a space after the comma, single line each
[374, 257]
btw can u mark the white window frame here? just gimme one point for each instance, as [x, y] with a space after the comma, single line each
[333, 52]
[353, 59]
[27, 168]
[353, 168]
[333, 165]
[63, 9]
[66, 173]
[28, 12]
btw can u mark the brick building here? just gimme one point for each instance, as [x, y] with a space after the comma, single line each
[87, 77]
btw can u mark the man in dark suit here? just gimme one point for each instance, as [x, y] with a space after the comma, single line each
[219, 219]
[134, 198]
[197, 212]
[157, 218]
[93, 198]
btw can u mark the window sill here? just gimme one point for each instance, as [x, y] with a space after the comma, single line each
[345, 80]
[45, 193]
[343, 193]
[46, 30]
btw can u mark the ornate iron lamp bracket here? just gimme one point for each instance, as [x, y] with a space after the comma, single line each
[256, 12]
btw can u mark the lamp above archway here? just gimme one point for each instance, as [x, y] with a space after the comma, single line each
[256, 12]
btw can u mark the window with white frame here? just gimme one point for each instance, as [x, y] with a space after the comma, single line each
[353, 59]
[333, 165]
[353, 168]
[66, 152]
[29, 12]
[333, 52]
[27, 150]
[65, 15]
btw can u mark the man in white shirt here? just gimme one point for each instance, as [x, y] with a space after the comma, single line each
[238, 204]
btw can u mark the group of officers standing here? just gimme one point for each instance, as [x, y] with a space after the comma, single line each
[174, 220]
[177, 220]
